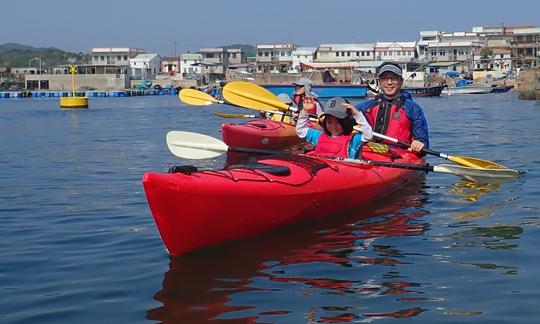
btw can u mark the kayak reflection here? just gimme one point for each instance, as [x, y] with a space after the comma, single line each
[216, 282]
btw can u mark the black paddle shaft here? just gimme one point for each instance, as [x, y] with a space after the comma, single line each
[420, 167]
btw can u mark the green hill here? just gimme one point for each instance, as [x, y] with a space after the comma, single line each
[17, 55]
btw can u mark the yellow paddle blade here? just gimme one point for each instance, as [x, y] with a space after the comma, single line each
[475, 163]
[196, 98]
[252, 96]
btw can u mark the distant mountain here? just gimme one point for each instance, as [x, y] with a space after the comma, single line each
[17, 55]
[246, 48]
[13, 46]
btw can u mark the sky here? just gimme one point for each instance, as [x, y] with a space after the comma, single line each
[167, 27]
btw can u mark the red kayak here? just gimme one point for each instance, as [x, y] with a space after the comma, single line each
[260, 134]
[193, 209]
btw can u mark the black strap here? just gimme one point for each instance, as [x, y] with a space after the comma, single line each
[384, 113]
[383, 118]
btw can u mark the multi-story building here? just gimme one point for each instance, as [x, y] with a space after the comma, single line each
[453, 49]
[395, 51]
[236, 56]
[170, 65]
[145, 66]
[499, 61]
[427, 37]
[215, 60]
[525, 46]
[190, 65]
[116, 56]
[274, 58]
[302, 55]
[334, 53]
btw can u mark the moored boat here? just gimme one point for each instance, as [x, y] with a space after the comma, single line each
[194, 209]
[434, 91]
[471, 89]
[501, 89]
[260, 134]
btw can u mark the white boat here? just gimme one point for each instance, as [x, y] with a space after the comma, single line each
[471, 89]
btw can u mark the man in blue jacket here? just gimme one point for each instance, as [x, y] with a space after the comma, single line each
[394, 113]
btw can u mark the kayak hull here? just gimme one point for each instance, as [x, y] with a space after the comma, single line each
[208, 207]
[260, 134]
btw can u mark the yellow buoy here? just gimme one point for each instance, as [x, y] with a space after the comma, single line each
[73, 101]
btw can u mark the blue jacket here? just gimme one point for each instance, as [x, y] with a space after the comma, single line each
[414, 113]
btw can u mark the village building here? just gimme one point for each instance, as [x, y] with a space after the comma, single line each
[145, 66]
[170, 66]
[395, 51]
[275, 58]
[302, 55]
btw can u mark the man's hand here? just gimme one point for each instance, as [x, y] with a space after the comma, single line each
[416, 146]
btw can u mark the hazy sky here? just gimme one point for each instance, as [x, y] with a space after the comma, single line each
[157, 25]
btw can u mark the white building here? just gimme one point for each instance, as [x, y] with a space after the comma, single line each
[453, 49]
[335, 53]
[116, 56]
[302, 55]
[190, 65]
[427, 37]
[395, 51]
[274, 58]
[145, 66]
[500, 62]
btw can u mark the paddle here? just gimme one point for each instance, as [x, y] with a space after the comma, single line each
[224, 115]
[198, 146]
[197, 98]
[247, 95]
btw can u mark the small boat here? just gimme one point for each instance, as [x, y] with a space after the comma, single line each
[323, 90]
[198, 208]
[503, 88]
[467, 87]
[260, 134]
[434, 91]
[471, 89]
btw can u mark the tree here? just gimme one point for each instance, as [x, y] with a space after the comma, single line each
[486, 52]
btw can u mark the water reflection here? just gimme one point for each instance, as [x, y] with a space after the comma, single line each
[225, 282]
[471, 191]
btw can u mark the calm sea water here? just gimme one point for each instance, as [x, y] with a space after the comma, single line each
[79, 243]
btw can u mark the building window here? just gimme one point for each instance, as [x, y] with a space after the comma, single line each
[260, 53]
[102, 57]
[442, 53]
[348, 53]
[265, 53]
[125, 57]
[433, 53]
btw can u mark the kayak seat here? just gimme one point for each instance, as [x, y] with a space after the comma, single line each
[186, 169]
[259, 125]
[278, 170]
